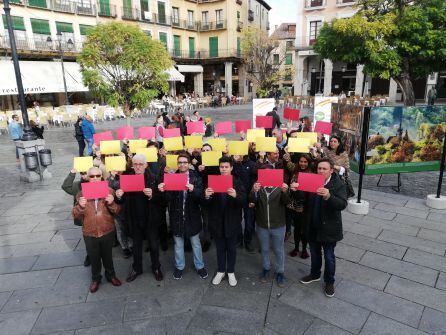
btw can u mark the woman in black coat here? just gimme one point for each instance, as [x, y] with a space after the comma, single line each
[79, 135]
[225, 217]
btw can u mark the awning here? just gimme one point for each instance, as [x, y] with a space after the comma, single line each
[190, 68]
[174, 75]
[40, 77]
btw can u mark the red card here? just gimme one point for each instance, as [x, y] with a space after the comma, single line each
[264, 122]
[242, 125]
[132, 183]
[104, 136]
[323, 127]
[175, 181]
[195, 127]
[95, 190]
[223, 127]
[173, 132]
[291, 114]
[270, 177]
[220, 184]
[125, 132]
[310, 182]
[146, 133]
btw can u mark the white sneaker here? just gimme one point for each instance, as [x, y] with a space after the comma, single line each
[218, 278]
[232, 280]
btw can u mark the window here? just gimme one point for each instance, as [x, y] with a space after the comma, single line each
[148, 33]
[276, 59]
[84, 29]
[239, 50]
[104, 7]
[191, 47]
[40, 26]
[190, 18]
[127, 9]
[205, 18]
[257, 10]
[17, 22]
[176, 45]
[175, 16]
[289, 45]
[219, 15]
[37, 3]
[213, 46]
[163, 38]
[144, 5]
[161, 12]
[238, 14]
[289, 59]
[315, 27]
[63, 27]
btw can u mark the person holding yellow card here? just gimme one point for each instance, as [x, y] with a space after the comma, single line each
[210, 158]
[150, 153]
[134, 145]
[301, 145]
[110, 147]
[193, 142]
[266, 144]
[253, 134]
[218, 144]
[238, 148]
[173, 143]
[82, 164]
[115, 163]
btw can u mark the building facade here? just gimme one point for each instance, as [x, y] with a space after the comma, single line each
[314, 75]
[284, 55]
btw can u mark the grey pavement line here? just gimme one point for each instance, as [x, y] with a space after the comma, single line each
[269, 300]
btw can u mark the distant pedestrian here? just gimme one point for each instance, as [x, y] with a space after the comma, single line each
[79, 135]
[88, 132]
[15, 132]
[432, 96]
[38, 130]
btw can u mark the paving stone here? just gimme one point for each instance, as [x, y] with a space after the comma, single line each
[6, 252]
[146, 327]
[380, 214]
[76, 316]
[413, 242]
[24, 280]
[4, 296]
[432, 235]
[28, 208]
[379, 302]
[410, 220]
[377, 246]
[54, 225]
[382, 198]
[440, 217]
[361, 229]
[347, 216]
[441, 282]
[390, 225]
[16, 264]
[433, 322]
[59, 260]
[19, 323]
[380, 325]
[419, 293]
[284, 319]
[425, 259]
[361, 274]
[14, 228]
[70, 234]
[25, 238]
[43, 248]
[402, 269]
[348, 252]
[416, 204]
[320, 327]
[418, 213]
[335, 311]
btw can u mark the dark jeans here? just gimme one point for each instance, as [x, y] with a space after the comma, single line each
[249, 220]
[330, 260]
[298, 220]
[288, 219]
[226, 253]
[205, 235]
[163, 232]
[99, 250]
[81, 144]
[138, 237]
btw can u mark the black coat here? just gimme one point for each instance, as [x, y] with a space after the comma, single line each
[246, 171]
[78, 133]
[190, 223]
[229, 220]
[330, 229]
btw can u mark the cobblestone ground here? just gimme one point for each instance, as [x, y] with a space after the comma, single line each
[391, 269]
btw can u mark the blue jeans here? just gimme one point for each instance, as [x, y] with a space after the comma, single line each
[330, 260]
[89, 145]
[180, 262]
[277, 236]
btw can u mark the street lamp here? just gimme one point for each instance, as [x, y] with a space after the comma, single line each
[70, 46]
[28, 134]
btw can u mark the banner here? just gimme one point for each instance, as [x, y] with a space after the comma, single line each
[261, 107]
[322, 108]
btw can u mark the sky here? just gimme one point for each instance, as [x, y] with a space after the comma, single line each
[282, 11]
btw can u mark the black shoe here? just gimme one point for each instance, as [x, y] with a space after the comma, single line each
[309, 279]
[329, 290]
[127, 253]
[158, 274]
[249, 248]
[177, 274]
[206, 246]
[202, 273]
[132, 275]
[87, 261]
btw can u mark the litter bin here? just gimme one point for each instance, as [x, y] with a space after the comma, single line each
[30, 160]
[45, 157]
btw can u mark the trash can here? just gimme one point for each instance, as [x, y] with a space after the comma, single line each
[30, 160]
[45, 157]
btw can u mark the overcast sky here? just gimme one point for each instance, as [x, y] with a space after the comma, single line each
[282, 11]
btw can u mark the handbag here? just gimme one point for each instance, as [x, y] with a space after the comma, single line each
[348, 186]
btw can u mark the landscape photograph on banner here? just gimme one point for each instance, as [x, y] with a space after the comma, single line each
[405, 139]
[347, 123]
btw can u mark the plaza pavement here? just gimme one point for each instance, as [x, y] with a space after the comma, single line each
[391, 270]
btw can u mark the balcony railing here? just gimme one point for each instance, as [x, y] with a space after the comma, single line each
[72, 7]
[239, 26]
[184, 24]
[216, 25]
[250, 15]
[107, 10]
[39, 44]
[315, 4]
[132, 14]
[205, 54]
[345, 2]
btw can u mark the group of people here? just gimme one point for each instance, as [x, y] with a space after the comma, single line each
[83, 133]
[198, 216]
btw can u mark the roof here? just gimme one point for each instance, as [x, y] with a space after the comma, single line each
[264, 4]
[283, 33]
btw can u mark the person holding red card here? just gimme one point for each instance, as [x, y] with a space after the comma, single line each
[142, 213]
[225, 219]
[270, 204]
[98, 228]
[185, 217]
[325, 225]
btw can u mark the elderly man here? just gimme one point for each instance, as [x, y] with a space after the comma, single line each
[142, 214]
[88, 131]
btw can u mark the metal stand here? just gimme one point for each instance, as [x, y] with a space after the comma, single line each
[396, 188]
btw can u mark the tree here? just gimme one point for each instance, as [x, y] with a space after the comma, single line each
[123, 65]
[262, 68]
[400, 39]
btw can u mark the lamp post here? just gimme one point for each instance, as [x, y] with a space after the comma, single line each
[70, 46]
[28, 134]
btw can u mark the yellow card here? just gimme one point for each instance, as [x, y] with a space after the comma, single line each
[83, 164]
[266, 144]
[252, 134]
[150, 153]
[137, 144]
[218, 144]
[172, 161]
[173, 143]
[115, 163]
[299, 145]
[192, 142]
[311, 136]
[110, 147]
[210, 158]
[238, 148]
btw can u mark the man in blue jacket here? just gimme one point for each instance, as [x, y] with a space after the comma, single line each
[88, 130]
[15, 132]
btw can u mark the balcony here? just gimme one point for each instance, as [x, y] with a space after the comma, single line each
[130, 14]
[204, 54]
[184, 24]
[38, 45]
[72, 7]
[239, 2]
[342, 3]
[315, 4]
[107, 11]
[250, 15]
[239, 26]
[208, 26]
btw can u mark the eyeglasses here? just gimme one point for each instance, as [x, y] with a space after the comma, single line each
[138, 164]
[95, 176]
[183, 162]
